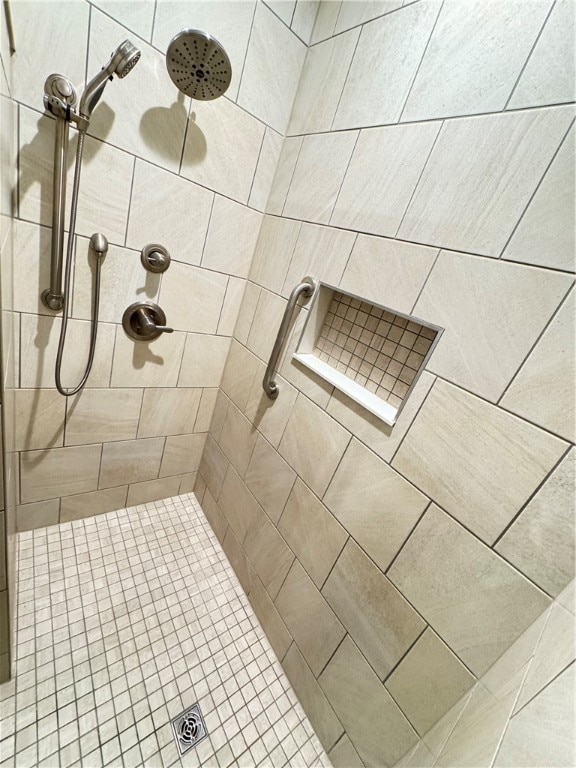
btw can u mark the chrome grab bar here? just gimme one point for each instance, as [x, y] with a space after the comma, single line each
[304, 288]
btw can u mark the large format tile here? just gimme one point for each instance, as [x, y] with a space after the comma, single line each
[545, 234]
[58, 472]
[211, 158]
[429, 680]
[93, 503]
[492, 313]
[312, 698]
[352, 13]
[238, 560]
[152, 490]
[387, 271]
[169, 412]
[213, 466]
[475, 460]
[496, 158]
[268, 553]
[231, 238]
[264, 329]
[237, 439]
[147, 364]
[265, 170]
[269, 478]
[238, 374]
[319, 172]
[343, 754]
[31, 268]
[269, 618]
[270, 416]
[271, 70]
[320, 88]
[99, 415]
[540, 541]
[476, 602]
[381, 177]
[38, 419]
[377, 728]
[543, 390]
[549, 74]
[374, 503]
[130, 461]
[390, 50]
[309, 618]
[474, 57]
[321, 252]
[237, 503]
[38, 514]
[283, 174]
[182, 453]
[136, 16]
[203, 360]
[158, 201]
[192, 298]
[304, 18]
[542, 733]
[378, 618]
[312, 531]
[273, 252]
[313, 444]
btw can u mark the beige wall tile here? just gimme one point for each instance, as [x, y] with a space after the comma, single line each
[380, 621]
[203, 360]
[428, 681]
[138, 17]
[265, 170]
[231, 306]
[283, 175]
[388, 272]
[188, 482]
[100, 415]
[312, 532]
[492, 312]
[219, 414]
[152, 490]
[269, 554]
[304, 19]
[31, 268]
[373, 503]
[232, 237]
[268, 616]
[343, 755]
[474, 58]
[353, 13]
[545, 234]
[147, 364]
[192, 298]
[309, 618]
[321, 84]
[206, 410]
[540, 541]
[543, 390]
[238, 374]
[39, 343]
[158, 200]
[474, 161]
[313, 444]
[325, 21]
[475, 460]
[211, 159]
[39, 419]
[381, 438]
[476, 602]
[182, 453]
[269, 478]
[39, 514]
[214, 515]
[130, 461]
[246, 312]
[371, 202]
[238, 560]
[58, 472]
[274, 251]
[265, 325]
[319, 172]
[270, 416]
[377, 728]
[237, 503]
[321, 252]
[312, 698]
[170, 411]
[94, 503]
[237, 439]
[272, 70]
[548, 77]
[390, 49]
[213, 466]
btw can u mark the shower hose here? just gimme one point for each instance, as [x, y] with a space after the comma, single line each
[67, 286]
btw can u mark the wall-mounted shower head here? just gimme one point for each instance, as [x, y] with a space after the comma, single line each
[123, 59]
[198, 65]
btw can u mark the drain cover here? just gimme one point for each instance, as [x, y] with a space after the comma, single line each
[189, 729]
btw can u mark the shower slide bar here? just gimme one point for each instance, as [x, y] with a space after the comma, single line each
[304, 288]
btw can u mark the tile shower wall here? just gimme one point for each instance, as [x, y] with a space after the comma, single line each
[428, 168]
[194, 177]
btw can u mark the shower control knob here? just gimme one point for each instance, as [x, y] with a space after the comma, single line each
[155, 258]
[145, 321]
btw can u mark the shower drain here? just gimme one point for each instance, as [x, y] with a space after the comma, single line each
[189, 729]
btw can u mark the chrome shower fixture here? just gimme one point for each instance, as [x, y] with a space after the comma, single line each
[198, 65]
[122, 61]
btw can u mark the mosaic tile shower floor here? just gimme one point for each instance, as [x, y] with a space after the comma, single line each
[125, 620]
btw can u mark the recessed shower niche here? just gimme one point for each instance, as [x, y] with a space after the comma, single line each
[372, 353]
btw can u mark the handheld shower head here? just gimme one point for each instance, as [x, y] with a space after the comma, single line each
[198, 65]
[123, 59]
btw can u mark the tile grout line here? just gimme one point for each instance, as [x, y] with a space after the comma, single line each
[348, 164]
[334, 116]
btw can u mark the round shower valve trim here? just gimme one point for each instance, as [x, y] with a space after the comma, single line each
[155, 258]
[145, 321]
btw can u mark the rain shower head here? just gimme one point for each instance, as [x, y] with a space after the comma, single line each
[198, 65]
[122, 61]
